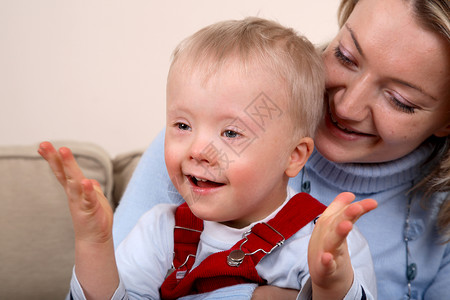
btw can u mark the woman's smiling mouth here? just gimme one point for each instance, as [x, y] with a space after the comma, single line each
[343, 128]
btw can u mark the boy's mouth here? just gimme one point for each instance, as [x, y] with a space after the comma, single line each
[203, 183]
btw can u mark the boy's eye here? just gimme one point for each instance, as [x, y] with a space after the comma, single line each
[231, 134]
[183, 126]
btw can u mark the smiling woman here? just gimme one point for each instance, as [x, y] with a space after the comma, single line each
[384, 135]
[428, 89]
[380, 107]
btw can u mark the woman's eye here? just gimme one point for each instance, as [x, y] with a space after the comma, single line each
[342, 57]
[231, 134]
[183, 126]
[400, 105]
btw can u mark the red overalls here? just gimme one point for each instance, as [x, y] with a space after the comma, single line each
[236, 265]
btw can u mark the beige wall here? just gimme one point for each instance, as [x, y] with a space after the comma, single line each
[95, 70]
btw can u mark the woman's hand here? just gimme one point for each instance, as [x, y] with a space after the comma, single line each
[91, 213]
[328, 257]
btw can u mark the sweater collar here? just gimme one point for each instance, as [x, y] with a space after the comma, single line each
[368, 178]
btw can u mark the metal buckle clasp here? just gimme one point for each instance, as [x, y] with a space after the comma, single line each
[236, 257]
[180, 274]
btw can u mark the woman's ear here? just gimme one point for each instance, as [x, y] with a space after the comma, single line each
[299, 156]
[444, 131]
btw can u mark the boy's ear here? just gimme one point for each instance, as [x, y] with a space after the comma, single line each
[299, 156]
[444, 131]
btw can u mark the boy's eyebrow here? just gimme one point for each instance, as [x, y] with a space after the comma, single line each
[355, 40]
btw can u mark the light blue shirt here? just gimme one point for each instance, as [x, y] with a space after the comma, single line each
[384, 228]
[145, 256]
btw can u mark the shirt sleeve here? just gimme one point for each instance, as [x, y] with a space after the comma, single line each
[76, 292]
[356, 292]
[146, 254]
[238, 292]
[364, 281]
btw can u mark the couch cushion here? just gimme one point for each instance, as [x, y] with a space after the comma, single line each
[124, 166]
[37, 248]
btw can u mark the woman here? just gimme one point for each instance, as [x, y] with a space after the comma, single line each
[385, 135]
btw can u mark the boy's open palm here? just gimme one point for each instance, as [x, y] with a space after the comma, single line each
[91, 213]
[92, 218]
[328, 256]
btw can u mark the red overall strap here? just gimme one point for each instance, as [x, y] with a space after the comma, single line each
[214, 272]
[186, 237]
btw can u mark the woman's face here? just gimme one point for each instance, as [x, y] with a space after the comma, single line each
[388, 85]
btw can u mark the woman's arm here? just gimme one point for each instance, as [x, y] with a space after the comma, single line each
[439, 289]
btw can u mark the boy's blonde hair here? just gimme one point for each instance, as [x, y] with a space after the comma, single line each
[279, 50]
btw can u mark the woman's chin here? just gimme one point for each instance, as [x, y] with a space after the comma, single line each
[339, 152]
[334, 155]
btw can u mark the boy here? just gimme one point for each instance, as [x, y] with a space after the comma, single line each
[243, 100]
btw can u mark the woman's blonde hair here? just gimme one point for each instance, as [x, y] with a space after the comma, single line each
[435, 16]
[278, 50]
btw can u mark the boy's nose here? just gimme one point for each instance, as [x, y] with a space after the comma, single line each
[204, 151]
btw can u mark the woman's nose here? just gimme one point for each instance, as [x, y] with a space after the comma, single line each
[353, 102]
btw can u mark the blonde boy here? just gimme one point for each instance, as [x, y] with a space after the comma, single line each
[243, 101]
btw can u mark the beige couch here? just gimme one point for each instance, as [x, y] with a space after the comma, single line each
[36, 236]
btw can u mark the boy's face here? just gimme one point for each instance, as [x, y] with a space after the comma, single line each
[228, 142]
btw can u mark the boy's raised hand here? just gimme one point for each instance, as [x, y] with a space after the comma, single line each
[91, 213]
[92, 218]
[328, 256]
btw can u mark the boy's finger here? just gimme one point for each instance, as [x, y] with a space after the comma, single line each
[95, 182]
[97, 186]
[346, 220]
[355, 210]
[71, 168]
[89, 194]
[73, 174]
[339, 203]
[48, 152]
[369, 204]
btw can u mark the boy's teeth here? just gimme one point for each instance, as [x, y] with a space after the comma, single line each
[199, 179]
